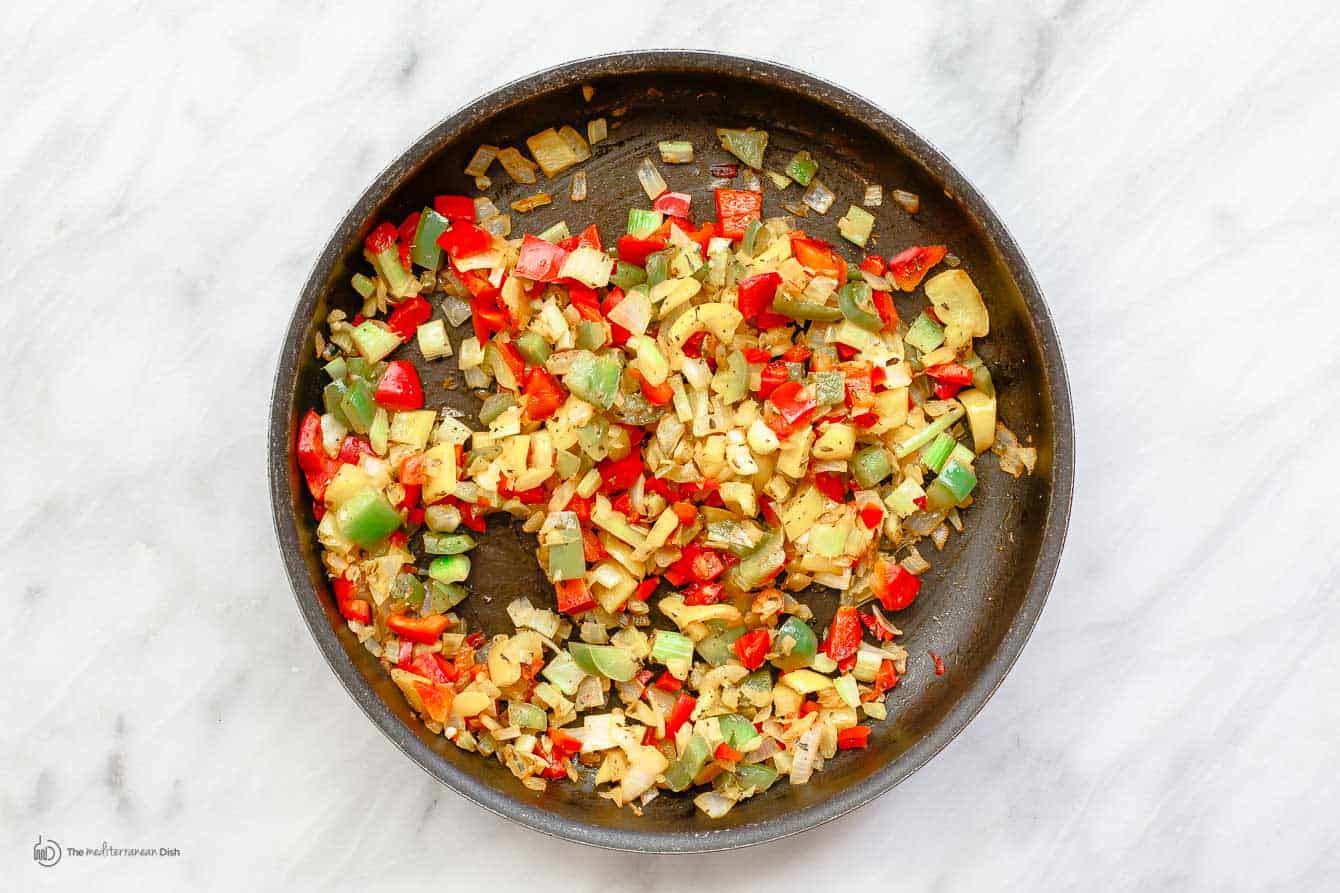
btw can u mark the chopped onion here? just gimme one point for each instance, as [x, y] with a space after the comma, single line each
[805, 754]
[531, 202]
[587, 92]
[908, 201]
[714, 804]
[633, 312]
[676, 151]
[749, 180]
[596, 130]
[874, 196]
[781, 181]
[589, 267]
[480, 161]
[456, 310]
[484, 207]
[796, 208]
[551, 152]
[575, 142]
[653, 184]
[520, 168]
[914, 563]
[818, 197]
[482, 183]
[498, 224]
[578, 193]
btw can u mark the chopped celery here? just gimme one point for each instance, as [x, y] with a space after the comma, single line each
[902, 501]
[847, 690]
[830, 387]
[566, 562]
[642, 223]
[449, 568]
[442, 518]
[675, 650]
[533, 347]
[447, 543]
[425, 251]
[682, 771]
[937, 452]
[658, 267]
[870, 466]
[857, 225]
[364, 285]
[379, 431]
[374, 339]
[951, 486]
[336, 368]
[802, 167]
[676, 151]
[929, 433]
[627, 275]
[925, 334]
[387, 263]
[556, 233]
[746, 145]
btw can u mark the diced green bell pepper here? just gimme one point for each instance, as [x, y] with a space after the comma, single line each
[426, 252]
[679, 776]
[445, 596]
[761, 564]
[374, 339]
[610, 661]
[715, 648]
[331, 397]
[925, 334]
[594, 379]
[367, 518]
[951, 486]
[755, 775]
[627, 275]
[533, 347]
[408, 588]
[359, 406]
[746, 145]
[495, 405]
[590, 335]
[336, 368]
[855, 301]
[805, 645]
[736, 730]
[830, 387]
[802, 167]
[658, 267]
[387, 263]
[642, 223]
[806, 310]
[449, 568]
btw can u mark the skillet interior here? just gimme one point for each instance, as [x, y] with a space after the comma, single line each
[987, 587]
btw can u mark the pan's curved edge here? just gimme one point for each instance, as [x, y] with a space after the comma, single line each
[281, 467]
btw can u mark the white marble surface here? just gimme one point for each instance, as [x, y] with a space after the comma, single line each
[169, 172]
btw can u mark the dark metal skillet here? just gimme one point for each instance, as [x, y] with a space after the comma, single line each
[987, 588]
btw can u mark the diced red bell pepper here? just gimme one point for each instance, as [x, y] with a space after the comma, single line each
[412, 471]
[464, 239]
[590, 238]
[573, 596]
[618, 334]
[408, 315]
[939, 663]
[543, 395]
[672, 204]
[487, 317]
[945, 390]
[793, 401]
[874, 265]
[877, 629]
[432, 667]
[756, 293]
[586, 301]
[405, 237]
[871, 515]
[353, 447]
[592, 549]
[844, 636]
[727, 754]
[472, 517]
[770, 320]
[893, 585]
[796, 353]
[633, 250]
[752, 647]
[424, 630]
[736, 209]
[859, 386]
[620, 474]
[819, 256]
[382, 237]
[564, 743]
[540, 260]
[411, 497]
[646, 588]
[909, 267]
[725, 170]
[951, 373]
[773, 376]
[780, 426]
[666, 682]
[512, 358]
[845, 351]
[686, 513]
[356, 609]
[656, 394]
[581, 506]
[757, 354]
[853, 738]
[623, 504]
[311, 454]
[888, 314]
[702, 593]
[679, 713]
[694, 346]
[399, 387]
[455, 207]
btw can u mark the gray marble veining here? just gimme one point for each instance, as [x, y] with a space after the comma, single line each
[169, 172]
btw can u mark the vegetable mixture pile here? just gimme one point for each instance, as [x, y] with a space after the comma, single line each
[698, 423]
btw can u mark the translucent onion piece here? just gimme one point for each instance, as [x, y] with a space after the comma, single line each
[484, 207]
[874, 196]
[819, 197]
[498, 224]
[578, 193]
[653, 184]
[675, 151]
[805, 754]
[482, 183]
[520, 168]
[575, 142]
[480, 161]
[551, 152]
[781, 181]
[749, 180]
[531, 202]
[908, 201]
[455, 310]
[796, 208]
[596, 130]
